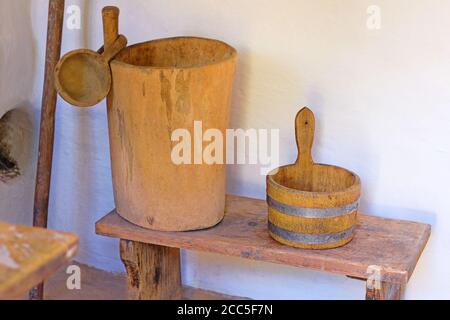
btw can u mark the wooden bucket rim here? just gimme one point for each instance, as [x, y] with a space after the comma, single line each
[233, 55]
[356, 186]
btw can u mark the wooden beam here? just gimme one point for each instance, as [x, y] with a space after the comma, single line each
[153, 271]
[385, 291]
[47, 130]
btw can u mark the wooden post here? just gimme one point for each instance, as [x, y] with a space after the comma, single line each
[385, 291]
[47, 131]
[153, 271]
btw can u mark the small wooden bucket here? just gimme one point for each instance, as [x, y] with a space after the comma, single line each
[311, 205]
[158, 87]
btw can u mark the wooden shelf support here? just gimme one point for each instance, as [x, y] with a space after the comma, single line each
[385, 291]
[153, 271]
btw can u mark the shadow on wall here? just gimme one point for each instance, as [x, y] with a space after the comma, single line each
[17, 164]
[15, 144]
[249, 92]
[18, 136]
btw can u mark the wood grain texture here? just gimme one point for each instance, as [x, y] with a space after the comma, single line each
[47, 129]
[153, 271]
[47, 125]
[386, 291]
[393, 245]
[160, 86]
[29, 256]
[110, 16]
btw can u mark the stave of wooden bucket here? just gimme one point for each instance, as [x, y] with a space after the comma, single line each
[160, 86]
[312, 206]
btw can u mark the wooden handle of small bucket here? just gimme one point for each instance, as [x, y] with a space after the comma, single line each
[110, 25]
[304, 131]
[115, 48]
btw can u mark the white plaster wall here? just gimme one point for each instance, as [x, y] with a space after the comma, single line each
[381, 98]
[17, 70]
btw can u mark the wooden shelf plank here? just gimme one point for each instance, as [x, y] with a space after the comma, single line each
[29, 256]
[394, 246]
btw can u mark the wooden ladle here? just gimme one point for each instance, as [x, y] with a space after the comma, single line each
[83, 77]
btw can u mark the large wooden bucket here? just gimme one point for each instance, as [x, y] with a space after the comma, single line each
[158, 87]
[312, 206]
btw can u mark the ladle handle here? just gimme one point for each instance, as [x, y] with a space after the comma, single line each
[110, 25]
[304, 131]
[115, 48]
